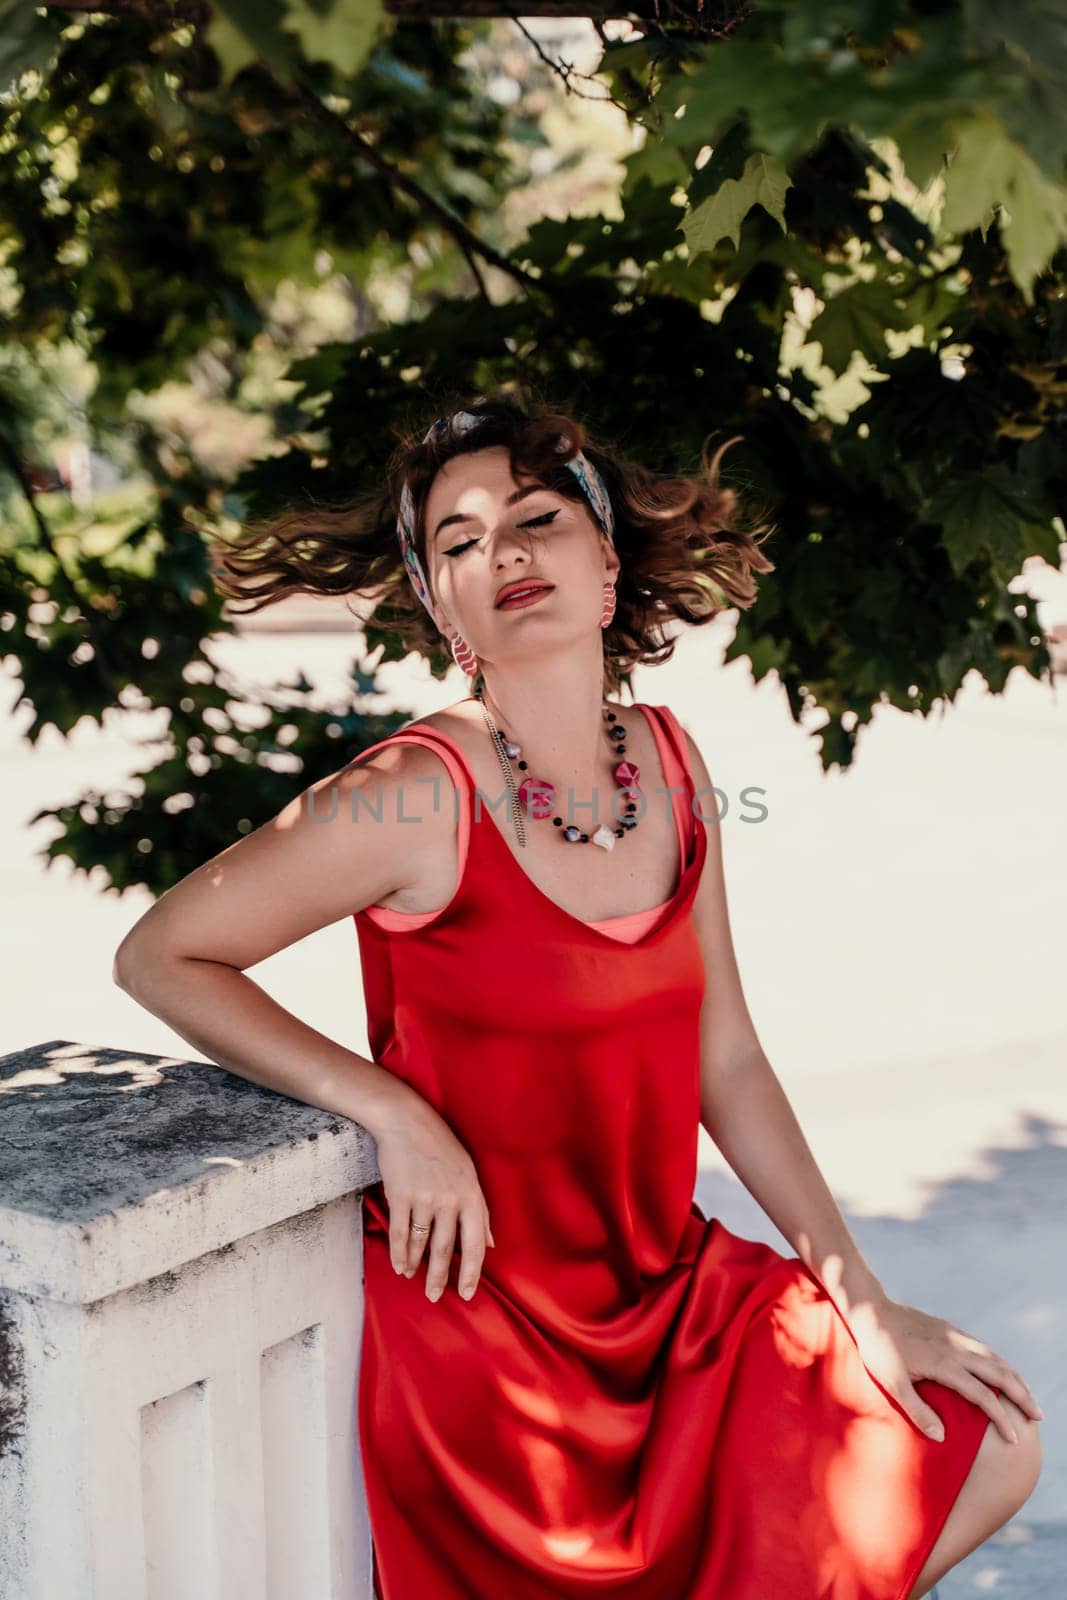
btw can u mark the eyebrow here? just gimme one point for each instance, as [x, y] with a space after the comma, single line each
[517, 494]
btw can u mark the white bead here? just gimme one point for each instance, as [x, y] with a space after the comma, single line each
[604, 838]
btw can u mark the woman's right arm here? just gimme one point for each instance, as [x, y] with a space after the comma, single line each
[344, 843]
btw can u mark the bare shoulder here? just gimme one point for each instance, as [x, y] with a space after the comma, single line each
[395, 766]
[457, 720]
[369, 830]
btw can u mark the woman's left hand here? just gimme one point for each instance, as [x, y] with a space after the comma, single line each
[900, 1343]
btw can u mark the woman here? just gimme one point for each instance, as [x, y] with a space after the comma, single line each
[572, 1383]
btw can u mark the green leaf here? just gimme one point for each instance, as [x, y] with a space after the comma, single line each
[787, 103]
[1036, 224]
[243, 31]
[856, 319]
[762, 183]
[924, 140]
[1028, 43]
[27, 41]
[654, 162]
[727, 160]
[989, 170]
[988, 511]
[342, 33]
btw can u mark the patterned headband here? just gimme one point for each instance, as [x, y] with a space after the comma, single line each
[592, 485]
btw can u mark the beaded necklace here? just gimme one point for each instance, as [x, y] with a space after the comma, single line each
[538, 797]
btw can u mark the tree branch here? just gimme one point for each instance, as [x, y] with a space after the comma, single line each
[681, 12]
[468, 241]
[195, 11]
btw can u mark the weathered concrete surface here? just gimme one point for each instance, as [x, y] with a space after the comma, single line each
[116, 1166]
[181, 1313]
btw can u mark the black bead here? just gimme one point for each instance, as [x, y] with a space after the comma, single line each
[619, 832]
[522, 766]
[585, 838]
[558, 821]
[620, 749]
[629, 822]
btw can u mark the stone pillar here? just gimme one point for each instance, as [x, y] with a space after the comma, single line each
[181, 1309]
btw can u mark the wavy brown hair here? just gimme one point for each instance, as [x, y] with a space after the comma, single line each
[685, 549]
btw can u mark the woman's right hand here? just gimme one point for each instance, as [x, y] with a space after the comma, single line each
[430, 1178]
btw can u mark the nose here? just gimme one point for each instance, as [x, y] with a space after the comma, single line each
[509, 543]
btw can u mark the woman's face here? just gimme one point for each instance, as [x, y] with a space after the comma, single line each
[485, 529]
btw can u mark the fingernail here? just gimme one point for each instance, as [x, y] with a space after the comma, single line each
[466, 1291]
[433, 1294]
[1038, 1409]
[1014, 1437]
[397, 1267]
[935, 1432]
[409, 1272]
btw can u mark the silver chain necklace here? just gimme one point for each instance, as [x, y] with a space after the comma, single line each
[498, 745]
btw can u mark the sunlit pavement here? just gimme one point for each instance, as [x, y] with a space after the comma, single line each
[899, 930]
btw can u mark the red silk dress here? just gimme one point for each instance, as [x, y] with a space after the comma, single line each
[637, 1404]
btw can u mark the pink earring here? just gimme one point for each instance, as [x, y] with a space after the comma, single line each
[609, 604]
[464, 656]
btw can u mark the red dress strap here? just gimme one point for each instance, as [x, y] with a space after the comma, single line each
[674, 754]
[430, 738]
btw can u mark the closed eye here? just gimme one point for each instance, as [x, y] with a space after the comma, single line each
[533, 522]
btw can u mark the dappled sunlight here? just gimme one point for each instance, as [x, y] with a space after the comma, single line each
[550, 1473]
[534, 1403]
[850, 1439]
[567, 1547]
[54, 1064]
[89, 1130]
[983, 1253]
[874, 1450]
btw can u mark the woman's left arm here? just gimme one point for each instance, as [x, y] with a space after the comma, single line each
[745, 1110]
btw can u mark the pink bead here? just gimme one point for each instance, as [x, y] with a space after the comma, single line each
[626, 774]
[537, 796]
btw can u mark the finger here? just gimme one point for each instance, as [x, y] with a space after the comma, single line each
[442, 1248]
[420, 1233]
[999, 1375]
[973, 1389]
[399, 1231]
[473, 1250]
[1009, 1379]
[923, 1416]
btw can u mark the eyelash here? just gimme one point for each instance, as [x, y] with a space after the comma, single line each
[535, 522]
